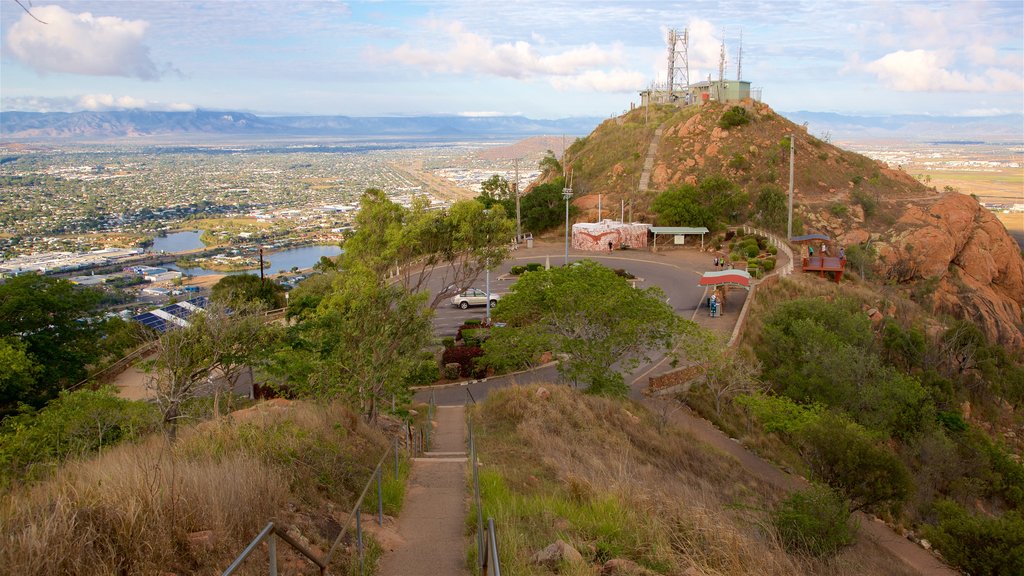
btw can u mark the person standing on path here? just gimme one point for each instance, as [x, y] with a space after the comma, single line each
[609, 246]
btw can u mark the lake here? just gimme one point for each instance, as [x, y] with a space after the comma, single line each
[302, 258]
[177, 242]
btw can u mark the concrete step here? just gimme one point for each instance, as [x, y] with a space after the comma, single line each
[443, 454]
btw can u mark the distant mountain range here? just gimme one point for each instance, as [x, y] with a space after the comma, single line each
[141, 125]
[913, 127]
[146, 125]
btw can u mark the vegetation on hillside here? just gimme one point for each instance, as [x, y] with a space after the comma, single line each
[145, 508]
[877, 412]
[617, 482]
[589, 314]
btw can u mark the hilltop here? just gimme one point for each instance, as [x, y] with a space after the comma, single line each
[961, 254]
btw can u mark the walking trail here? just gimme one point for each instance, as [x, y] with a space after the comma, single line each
[433, 517]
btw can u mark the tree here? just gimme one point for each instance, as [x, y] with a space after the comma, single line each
[543, 207]
[457, 244]
[770, 207]
[725, 374]
[496, 190]
[815, 521]
[54, 320]
[240, 339]
[594, 318]
[242, 290]
[182, 364]
[681, 206]
[362, 343]
[843, 455]
[549, 164]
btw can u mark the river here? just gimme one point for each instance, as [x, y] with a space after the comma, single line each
[301, 258]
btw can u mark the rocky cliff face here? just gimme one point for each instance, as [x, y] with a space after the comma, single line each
[964, 250]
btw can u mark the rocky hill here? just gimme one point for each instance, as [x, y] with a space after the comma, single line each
[947, 243]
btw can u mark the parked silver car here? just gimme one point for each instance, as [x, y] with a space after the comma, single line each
[474, 297]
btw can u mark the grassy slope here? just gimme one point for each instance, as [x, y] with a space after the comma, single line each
[615, 481]
[609, 161]
[130, 510]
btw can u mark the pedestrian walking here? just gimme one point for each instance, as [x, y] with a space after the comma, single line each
[716, 262]
[609, 246]
[810, 251]
[842, 254]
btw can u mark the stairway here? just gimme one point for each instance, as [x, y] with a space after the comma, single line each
[652, 152]
[433, 518]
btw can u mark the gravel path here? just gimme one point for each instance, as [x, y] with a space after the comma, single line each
[434, 514]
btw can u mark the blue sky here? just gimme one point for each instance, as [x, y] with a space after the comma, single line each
[543, 59]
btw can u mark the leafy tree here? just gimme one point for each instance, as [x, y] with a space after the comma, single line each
[682, 206]
[51, 318]
[17, 370]
[543, 207]
[710, 204]
[242, 290]
[363, 342]
[184, 357]
[771, 208]
[496, 190]
[74, 424]
[457, 244]
[725, 374]
[843, 455]
[550, 164]
[593, 317]
[981, 545]
[508, 349]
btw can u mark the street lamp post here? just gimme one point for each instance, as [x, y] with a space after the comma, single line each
[567, 194]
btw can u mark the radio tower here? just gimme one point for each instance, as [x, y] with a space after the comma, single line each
[670, 72]
[739, 59]
[686, 61]
[721, 63]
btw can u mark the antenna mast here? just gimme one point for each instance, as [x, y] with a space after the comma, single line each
[670, 71]
[739, 59]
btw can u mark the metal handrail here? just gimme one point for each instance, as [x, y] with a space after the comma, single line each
[486, 541]
[271, 532]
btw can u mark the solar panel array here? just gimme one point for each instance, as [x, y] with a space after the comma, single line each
[160, 320]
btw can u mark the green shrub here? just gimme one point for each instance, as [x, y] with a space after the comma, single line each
[866, 201]
[779, 413]
[773, 250]
[815, 521]
[517, 270]
[752, 250]
[426, 372]
[624, 274]
[534, 267]
[74, 424]
[735, 116]
[739, 162]
[448, 342]
[843, 455]
[838, 210]
[451, 370]
[472, 322]
[980, 545]
[768, 264]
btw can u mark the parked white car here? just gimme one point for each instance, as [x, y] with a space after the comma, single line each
[474, 297]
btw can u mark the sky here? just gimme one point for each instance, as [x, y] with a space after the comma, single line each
[541, 59]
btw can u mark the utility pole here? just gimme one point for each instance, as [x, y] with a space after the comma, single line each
[789, 223]
[262, 280]
[567, 194]
[519, 218]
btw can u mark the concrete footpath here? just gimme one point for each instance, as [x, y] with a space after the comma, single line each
[433, 516]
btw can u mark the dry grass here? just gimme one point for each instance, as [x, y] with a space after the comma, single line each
[608, 478]
[131, 510]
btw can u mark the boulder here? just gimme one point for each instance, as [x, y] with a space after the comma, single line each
[555, 554]
[978, 264]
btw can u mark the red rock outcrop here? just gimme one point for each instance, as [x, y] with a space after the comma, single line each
[978, 265]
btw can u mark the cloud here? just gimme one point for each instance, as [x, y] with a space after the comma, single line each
[600, 81]
[82, 44]
[463, 51]
[931, 71]
[91, 102]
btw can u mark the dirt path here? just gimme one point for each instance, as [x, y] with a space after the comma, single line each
[434, 514]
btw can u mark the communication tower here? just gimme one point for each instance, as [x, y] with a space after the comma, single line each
[739, 59]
